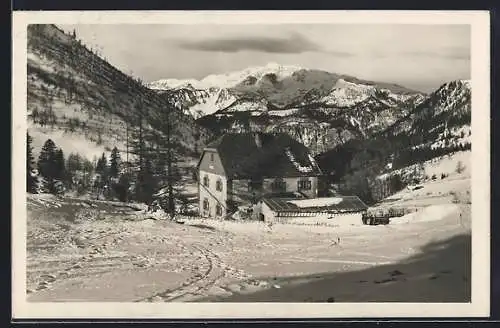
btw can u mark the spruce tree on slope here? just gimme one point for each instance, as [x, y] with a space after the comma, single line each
[60, 169]
[115, 161]
[31, 180]
[139, 150]
[73, 168]
[47, 167]
[102, 165]
[146, 182]
[169, 147]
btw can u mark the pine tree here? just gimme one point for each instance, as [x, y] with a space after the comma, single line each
[47, 167]
[146, 183]
[115, 163]
[73, 165]
[396, 183]
[101, 165]
[59, 165]
[169, 152]
[122, 188]
[31, 181]
[139, 149]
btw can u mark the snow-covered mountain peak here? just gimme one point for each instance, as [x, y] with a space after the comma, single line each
[341, 83]
[169, 84]
[345, 93]
[229, 79]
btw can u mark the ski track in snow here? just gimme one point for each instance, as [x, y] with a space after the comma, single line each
[167, 262]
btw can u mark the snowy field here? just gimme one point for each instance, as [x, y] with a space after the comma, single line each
[102, 251]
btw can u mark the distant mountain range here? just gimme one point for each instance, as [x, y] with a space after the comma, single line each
[273, 87]
[319, 108]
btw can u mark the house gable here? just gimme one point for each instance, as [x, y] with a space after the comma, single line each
[210, 162]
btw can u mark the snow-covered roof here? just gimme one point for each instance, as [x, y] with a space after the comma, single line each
[275, 155]
[324, 204]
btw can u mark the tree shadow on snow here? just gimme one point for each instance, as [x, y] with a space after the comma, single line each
[440, 272]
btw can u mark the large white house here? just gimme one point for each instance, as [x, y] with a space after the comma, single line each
[244, 167]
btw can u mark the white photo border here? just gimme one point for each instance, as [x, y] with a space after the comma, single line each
[480, 181]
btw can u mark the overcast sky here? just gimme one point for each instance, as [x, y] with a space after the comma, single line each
[421, 57]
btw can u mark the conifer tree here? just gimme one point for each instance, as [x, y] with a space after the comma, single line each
[101, 165]
[115, 163]
[88, 168]
[146, 184]
[31, 181]
[73, 165]
[60, 172]
[47, 167]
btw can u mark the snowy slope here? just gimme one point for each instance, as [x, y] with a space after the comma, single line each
[199, 102]
[346, 94]
[442, 120]
[75, 95]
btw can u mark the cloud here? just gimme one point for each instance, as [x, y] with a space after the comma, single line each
[446, 53]
[294, 44]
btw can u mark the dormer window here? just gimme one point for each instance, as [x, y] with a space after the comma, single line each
[206, 183]
[218, 185]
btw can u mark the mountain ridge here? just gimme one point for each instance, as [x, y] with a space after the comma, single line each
[280, 86]
[74, 94]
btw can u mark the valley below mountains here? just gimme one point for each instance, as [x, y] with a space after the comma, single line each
[352, 126]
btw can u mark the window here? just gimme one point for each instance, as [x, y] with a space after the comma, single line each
[212, 157]
[218, 185]
[205, 181]
[304, 184]
[278, 185]
[254, 185]
[218, 210]
[205, 204]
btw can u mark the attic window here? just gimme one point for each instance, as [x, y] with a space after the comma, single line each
[278, 185]
[212, 157]
[205, 181]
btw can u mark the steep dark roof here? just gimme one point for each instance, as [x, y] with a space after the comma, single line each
[243, 158]
[347, 204]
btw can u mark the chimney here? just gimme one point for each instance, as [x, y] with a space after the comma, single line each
[258, 139]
